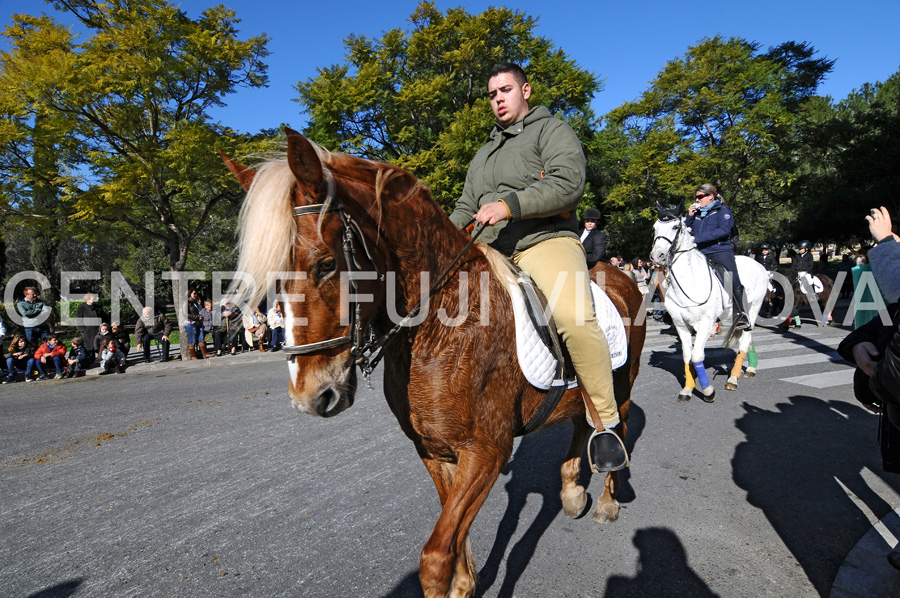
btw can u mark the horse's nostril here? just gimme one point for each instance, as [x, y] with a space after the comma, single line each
[326, 401]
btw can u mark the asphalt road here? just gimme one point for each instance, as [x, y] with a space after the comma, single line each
[201, 481]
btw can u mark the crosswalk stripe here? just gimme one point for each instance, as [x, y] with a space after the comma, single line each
[826, 380]
[783, 362]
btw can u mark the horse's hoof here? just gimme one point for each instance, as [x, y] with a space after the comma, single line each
[728, 386]
[573, 505]
[684, 398]
[710, 398]
[750, 373]
[606, 512]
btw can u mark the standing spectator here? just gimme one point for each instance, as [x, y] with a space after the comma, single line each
[206, 327]
[90, 309]
[2, 337]
[78, 359]
[593, 239]
[614, 261]
[123, 339]
[822, 266]
[111, 358]
[149, 328]
[34, 313]
[18, 358]
[640, 275]
[209, 327]
[276, 325]
[255, 323]
[100, 339]
[194, 327]
[50, 351]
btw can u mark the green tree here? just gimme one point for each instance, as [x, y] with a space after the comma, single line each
[723, 113]
[130, 108]
[418, 99]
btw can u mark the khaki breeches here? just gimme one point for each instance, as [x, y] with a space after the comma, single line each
[558, 268]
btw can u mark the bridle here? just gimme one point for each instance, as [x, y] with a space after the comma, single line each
[673, 255]
[365, 347]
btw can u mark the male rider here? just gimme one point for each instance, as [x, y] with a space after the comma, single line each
[525, 185]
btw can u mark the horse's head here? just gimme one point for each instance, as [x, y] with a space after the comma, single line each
[298, 235]
[667, 235]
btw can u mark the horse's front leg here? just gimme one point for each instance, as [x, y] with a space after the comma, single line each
[698, 354]
[446, 568]
[684, 335]
[572, 494]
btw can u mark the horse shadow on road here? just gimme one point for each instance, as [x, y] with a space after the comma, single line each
[800, 464]
[534, 469]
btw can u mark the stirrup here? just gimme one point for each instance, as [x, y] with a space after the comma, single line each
[612, 454]
[742, 322]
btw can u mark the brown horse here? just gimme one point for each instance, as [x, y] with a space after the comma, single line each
[456, 390]
[823, 298]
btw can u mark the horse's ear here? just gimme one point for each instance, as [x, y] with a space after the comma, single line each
[243, 173]
[304, 162]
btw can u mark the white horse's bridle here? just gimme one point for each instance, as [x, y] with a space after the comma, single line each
[673, 254]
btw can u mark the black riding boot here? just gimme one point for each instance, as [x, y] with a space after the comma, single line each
[606, 450]
[741, 320]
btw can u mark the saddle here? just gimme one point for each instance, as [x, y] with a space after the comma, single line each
[542, 356]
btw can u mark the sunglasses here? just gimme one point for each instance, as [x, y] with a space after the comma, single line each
[701, 196]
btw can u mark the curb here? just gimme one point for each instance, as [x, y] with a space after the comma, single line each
[866, 572]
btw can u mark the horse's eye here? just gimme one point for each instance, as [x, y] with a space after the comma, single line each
[326, 267]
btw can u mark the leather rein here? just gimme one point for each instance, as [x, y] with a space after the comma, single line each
[365, 347]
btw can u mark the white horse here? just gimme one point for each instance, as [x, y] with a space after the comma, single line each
[696, 300]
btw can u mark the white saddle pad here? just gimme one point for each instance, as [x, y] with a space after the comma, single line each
[536, 360]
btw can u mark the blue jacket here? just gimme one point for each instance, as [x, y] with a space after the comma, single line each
[712, 231]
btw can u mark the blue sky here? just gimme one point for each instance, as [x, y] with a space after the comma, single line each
[627, 43]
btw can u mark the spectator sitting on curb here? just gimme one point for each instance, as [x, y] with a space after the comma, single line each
[111, 358]
[50, 351]
[148, 328]
[232, 327]
[101, 338]
[18, 358]
[90, 310]
[78, 359]
[33, 312]
[276, 326]
[255, 323]
[123, 339]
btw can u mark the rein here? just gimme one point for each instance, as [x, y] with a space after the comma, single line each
[367, 353]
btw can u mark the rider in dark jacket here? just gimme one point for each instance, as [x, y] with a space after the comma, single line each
[766, 257]
[593, 239]
[712, 224]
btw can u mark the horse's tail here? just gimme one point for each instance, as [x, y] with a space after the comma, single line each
[731, 336]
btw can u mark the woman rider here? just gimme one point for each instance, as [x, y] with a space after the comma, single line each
[712, 224]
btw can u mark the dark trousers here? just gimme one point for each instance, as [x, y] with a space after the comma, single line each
[159, 338]
[726, 260]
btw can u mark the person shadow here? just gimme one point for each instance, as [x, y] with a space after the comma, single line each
[534, 469]
[62, 590]
[802, 466]
[663, 570]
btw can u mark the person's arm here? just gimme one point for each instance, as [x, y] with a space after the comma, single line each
[467, 204]
[561, 185]
[722, 229]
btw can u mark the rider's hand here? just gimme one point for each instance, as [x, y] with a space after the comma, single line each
[693, 209]
[863, 354]
[492, 213]
[880, 224]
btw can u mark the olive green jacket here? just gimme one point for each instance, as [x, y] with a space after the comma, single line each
[537, 167]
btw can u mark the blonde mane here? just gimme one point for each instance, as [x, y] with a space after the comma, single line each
[267, 229]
